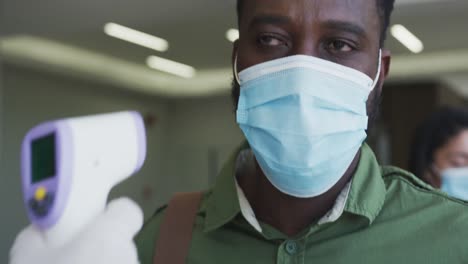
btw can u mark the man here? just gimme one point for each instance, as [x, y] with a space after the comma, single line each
[305, 189]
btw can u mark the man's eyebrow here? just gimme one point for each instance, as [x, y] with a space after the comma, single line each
[345, 26]
[269, 19]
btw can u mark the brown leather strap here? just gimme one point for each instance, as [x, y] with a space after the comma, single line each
[175, 232]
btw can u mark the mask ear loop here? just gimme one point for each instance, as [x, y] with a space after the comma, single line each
[377, 76]
[236, 74]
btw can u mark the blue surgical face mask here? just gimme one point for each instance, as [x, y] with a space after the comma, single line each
[305, 119]
[455, 182]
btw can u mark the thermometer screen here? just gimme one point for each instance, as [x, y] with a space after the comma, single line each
[43, 158]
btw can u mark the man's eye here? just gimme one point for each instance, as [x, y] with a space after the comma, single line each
[269, 40]
[339, 46]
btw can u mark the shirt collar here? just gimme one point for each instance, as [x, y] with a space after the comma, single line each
[222, 205]
[368, 191]
[365, 196]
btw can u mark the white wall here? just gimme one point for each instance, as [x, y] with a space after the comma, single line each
[1, 118]
[4, 208]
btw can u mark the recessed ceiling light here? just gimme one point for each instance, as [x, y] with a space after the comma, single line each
[171, 67]
[232, 34]
[408, 39]
[136, 37]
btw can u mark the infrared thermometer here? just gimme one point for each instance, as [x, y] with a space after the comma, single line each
[69, 166]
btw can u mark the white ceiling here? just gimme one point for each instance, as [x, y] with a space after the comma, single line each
[195, 29]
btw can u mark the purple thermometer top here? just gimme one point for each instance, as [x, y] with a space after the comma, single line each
[56, 186]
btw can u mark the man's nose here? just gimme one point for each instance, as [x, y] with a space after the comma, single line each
[306, 44]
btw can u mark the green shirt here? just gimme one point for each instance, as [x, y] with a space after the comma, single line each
[390, 217]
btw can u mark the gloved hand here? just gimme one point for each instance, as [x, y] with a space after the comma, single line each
[107, 240]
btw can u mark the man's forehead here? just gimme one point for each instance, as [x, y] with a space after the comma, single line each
[307, 11]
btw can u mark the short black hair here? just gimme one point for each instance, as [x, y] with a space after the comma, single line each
[385, 8]
[434, 133]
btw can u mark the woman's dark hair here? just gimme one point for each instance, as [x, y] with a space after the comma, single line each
[433, 134]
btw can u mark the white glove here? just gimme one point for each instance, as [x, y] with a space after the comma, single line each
[107, 240]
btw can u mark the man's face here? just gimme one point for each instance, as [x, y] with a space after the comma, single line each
[346, 32]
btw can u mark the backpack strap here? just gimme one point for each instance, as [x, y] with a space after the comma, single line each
[175, 235]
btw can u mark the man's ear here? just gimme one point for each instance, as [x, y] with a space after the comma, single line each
[235, 48]
[384, 69]
[386, 61]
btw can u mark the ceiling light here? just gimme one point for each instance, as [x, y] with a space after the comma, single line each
[136, 37]
[232, 34]
[171, 67]
[408, 39]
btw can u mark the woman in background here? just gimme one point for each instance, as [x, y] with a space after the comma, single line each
[439, 153]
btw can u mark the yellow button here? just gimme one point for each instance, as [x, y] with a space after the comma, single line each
[40, 194]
